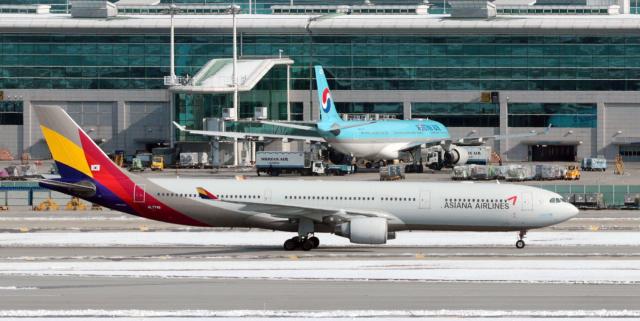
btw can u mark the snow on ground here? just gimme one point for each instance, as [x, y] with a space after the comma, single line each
[323, 319]
[268, 238]
[564, 315]
[499, 271]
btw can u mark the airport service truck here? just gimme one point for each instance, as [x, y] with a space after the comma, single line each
[303, 163]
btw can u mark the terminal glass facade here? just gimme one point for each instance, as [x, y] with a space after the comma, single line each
[362, 110]
[556, 115]
[57, 6]
[11, 112]
[270, 92]
[459, 114]
[352, 62]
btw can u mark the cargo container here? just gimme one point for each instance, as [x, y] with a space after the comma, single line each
[594, 164]
[392, 173]
[479, 155]
[194, 160]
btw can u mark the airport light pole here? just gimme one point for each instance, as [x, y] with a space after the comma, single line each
[173, 9]
[310, 33]
[234, 10]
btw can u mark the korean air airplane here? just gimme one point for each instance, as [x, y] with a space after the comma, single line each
[365, 212]
[370, 140]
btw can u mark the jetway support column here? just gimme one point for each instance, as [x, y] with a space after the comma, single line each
[601, 129]
[504, 127]
[120, 120]
[406, 110]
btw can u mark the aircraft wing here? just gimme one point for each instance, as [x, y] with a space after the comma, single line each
[356, 125]
[303, 127]
[479, 140]
[246, 135]
[288, 125]
[469, 141]
[318, 214]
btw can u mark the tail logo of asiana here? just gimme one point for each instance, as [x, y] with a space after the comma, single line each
[204, 194]
[326, 99]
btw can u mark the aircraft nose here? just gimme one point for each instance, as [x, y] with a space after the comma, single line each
[571, 211]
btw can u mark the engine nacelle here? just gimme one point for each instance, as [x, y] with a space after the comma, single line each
[337, 157]
[369, 230]
[456, 155]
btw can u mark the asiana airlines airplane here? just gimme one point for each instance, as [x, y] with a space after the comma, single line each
[365, 212]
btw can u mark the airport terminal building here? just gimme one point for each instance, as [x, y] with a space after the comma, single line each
[511, 73]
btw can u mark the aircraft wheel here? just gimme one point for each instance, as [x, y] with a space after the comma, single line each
[290, 245]
[307, 245]
[315, 241]
[520, 244]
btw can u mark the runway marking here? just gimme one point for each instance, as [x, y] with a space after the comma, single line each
[17, 288]
[460, 271]
[293, 257]
[420, 256]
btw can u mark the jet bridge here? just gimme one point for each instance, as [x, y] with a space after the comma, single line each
[216, 78]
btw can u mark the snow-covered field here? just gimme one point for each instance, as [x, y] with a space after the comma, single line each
[267, 238]
[499, 271]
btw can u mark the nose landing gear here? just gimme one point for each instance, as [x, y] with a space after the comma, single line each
[520, 243]
[303, 243]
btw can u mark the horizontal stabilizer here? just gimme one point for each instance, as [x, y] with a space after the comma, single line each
[85, 188]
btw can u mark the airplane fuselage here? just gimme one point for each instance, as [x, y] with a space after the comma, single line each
[383, 139]
[430, 206]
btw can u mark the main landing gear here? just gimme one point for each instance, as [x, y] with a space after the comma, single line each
[303, 243]
[520, 243]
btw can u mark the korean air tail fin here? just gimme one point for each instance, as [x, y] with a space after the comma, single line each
[328, 113]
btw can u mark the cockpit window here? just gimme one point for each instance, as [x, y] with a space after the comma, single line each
[556, 200]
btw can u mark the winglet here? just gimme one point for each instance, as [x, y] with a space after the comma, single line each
[204, 194]
[180, 127]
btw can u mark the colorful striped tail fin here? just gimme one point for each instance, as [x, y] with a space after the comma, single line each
[75, 153]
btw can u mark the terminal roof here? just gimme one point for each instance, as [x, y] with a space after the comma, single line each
[418, 24]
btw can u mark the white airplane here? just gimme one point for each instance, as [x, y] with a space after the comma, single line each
[366, 212]
[370, 140]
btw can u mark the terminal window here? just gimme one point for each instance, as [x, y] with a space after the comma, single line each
[568, 115]
[11, 112]
[458, 114]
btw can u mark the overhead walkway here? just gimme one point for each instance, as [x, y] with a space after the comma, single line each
[217, 75]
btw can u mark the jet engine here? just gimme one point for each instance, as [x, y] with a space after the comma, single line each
[370, 230]
[456, 155]
[337, 157]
